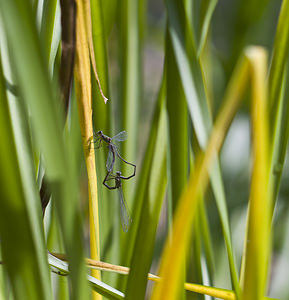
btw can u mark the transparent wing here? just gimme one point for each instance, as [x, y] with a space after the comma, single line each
[109, 161]
[121, 136]
[110, 177]
[124, 212]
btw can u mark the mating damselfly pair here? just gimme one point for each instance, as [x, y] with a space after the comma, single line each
[113, 152]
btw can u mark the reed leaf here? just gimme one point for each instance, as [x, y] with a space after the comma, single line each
[84, 100]
[151, 206]
[192, 80]
[176, 249]
[30, 67]
[278, 114]
[256, 259]
[23, 247]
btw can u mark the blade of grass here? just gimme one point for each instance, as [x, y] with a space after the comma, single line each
[140, 210]
[210, 291]
[145, 229]
[54, 237]
[22, 239]
[205, 233]
[177, 130]
[47, 24]
[83, 94]
[175, 251]
[197, 288]
[30, 68]
[190, 72]
[102, 120]
[109, 9]
[99, 286]
[192, 80]
[207, 240]
[279, 287]
[68, 31]
[178, 125]
[277, 104]
[142, 185]
[99, 55]
[194, 267]
[280, 54]
[91, 44]
[68, 14]
[256, 259]
[248, 13]
[60, 285]
[130, 80]
[145, 170]
[207, 11]
[4, 290]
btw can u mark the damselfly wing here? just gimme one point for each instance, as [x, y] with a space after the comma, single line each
[124, 212]
[120, 137]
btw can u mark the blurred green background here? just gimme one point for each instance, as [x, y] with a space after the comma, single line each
[138, 71]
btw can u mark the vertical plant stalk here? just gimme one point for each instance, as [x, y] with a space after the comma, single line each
[178, 125]
[84, 100]
[257, 253]
[68, 19]
[130, 90]
[176, 248]
[91, 48]
[191, 74]
[277, 100]
[47, 25]
[68, 22]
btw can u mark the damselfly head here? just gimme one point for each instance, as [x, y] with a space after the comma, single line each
[118, 173]
[99, 132]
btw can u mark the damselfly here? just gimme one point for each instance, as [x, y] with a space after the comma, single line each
[123, 208]
[112, 149]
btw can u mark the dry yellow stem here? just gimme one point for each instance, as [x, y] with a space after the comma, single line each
[91, 48]
[193, 287]
[256, 259]
[84, 100]
[175, 250]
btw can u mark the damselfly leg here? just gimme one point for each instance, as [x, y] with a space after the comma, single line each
[124, 211]
[113, 150]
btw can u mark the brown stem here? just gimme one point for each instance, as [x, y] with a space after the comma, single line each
[68, 27]
[44, 195]
[68, 24]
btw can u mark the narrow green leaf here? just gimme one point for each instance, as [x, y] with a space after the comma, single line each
[192, 80]
[109, 8]
[99, 286]
[175, 250]
[102, 120]
[47, 24]
[246, 16]
[152, 194]
[101, 110]
[22, 239]
[145, 172]
[30, 68]
[194, 265]
[178, 125]
[279, 111]
[258, 237]
[208, 8]
[207, 239]
[130, 80]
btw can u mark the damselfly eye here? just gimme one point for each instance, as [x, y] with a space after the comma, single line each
[99, 132]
